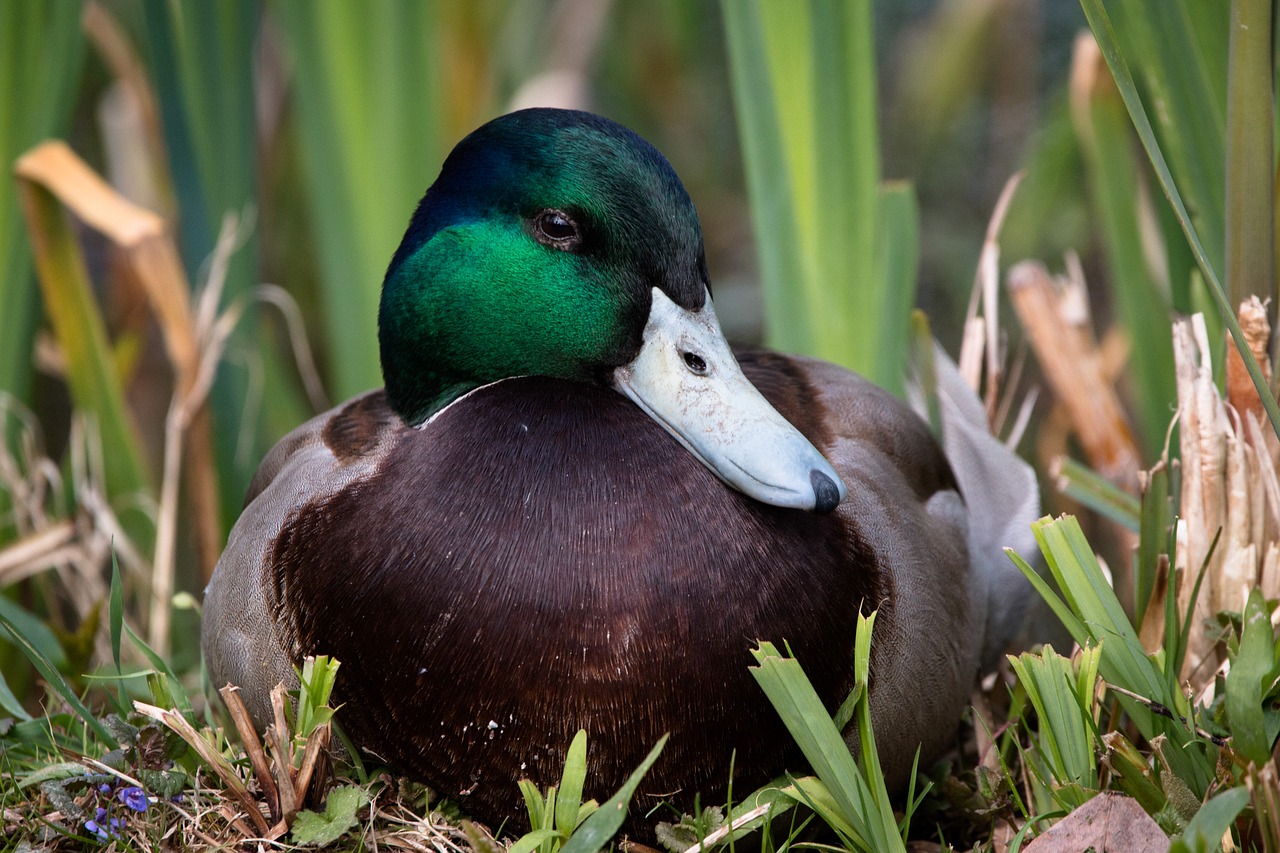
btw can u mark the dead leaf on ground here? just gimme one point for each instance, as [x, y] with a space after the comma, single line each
[1109, 823]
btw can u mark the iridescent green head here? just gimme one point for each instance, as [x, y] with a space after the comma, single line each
[558, 243]
[535, 252]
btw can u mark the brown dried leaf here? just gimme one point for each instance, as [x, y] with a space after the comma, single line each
[1109, 823]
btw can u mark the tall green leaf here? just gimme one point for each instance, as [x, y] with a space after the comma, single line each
[41, 53]
[202, 64]
[1245, 682]
[804, 85]
[370, 111]
[1188, 219]
[1177, 57]
[1250, 213]
[1116, 180]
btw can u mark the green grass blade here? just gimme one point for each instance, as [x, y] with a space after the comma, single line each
[1093, 615]
[1117, 188]
[1215, 817]
[898, 260]
[315, 686]
[791, 695]
[116, 614]
[859, 796]
[9, 702]
[1153, 537]
[532, 802]
[803, 77]
[529, 842]
[1176, 57]
[1250, 215]
[35, 630]
[59, 684]
[810, 791]
[1060, 608]
[41, 54]
[370, 102]
[173, 685]
[768, 173]
[569, 800]
[1083, 484]
[596, 831]
[1085, 587]
[1245, 682]
[201, 58]
[1063, 704]
[1100, 23]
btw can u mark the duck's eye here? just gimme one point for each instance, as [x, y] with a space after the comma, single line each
[556, 229]
[695, 362]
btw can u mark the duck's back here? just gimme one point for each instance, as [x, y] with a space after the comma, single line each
[541, 556]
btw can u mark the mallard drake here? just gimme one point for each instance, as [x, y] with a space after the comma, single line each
[572, 507]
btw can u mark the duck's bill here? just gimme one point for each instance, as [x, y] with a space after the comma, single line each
[687, 379]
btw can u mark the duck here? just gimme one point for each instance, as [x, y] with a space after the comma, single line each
[574, 506]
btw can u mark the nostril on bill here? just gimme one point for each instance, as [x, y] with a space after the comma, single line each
[826, 494]
[695, 362]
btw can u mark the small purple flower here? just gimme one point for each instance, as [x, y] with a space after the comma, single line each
[101, 815]
[94, 827]
[135, 798]
[104, 788]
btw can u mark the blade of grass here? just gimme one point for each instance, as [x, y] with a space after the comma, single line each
[569, 799]
[9, 702]
[765, 158]
[1153, 536]
[116, 616]
[1118, 190]
[1245, 682]
[803, 79]
[1085, 485]
[59, 684]
[35, 630]
[1177, 57]
[1211, 822]
[531, 840]
[370, 101]
[605, 821]
[1064, 710]
[172, 683]
[201, 56]
[1250, 226]
[41, 54]
[860, 796]
[898, 259]
[1093, 615]
[1100, 23]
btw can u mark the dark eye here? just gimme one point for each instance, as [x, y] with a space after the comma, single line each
[557, 229]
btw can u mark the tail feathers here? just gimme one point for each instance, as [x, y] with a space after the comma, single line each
[1003, 498]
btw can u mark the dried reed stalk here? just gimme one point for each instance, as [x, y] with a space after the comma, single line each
[222, 768]
[1230, 487]
[1055, 314]
[981, 331]
[148, 248]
